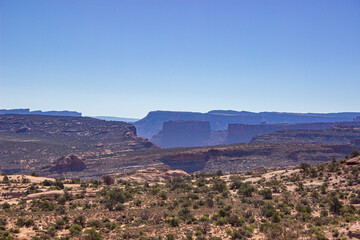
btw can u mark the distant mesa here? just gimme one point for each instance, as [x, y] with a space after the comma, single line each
[220, 119]
[183, 134]
[119, 119]
[68, 163]
[38, 112]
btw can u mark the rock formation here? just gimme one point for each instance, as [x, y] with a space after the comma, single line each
[68, 163]
[152, 174]
[219, 119]
[183, 134]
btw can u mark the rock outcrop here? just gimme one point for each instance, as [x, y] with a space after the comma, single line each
[183, 134]
[153, 174]
[68, 163]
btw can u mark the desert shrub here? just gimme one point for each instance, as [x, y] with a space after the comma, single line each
[6, 235]
[355, 197]
[155, 190]
[240, 233]
[235, 221]
[91, 234]
[5, 205]
[209, 202]
[115, 196]
[110, 225]
[204, 218]
[324, 213]
[3, 223]
[177, 183]
[6, 179]
[46, 206]
[267, 193]
[108, 180]
[47, 182]
[80, 220]
[170, 237]
[75, 229]
[184, 212]
[173, 222]
[272, 230]
[60, 223]
[303, 206]
[333, 165]
[200, 182]
[94, 223]
[305, 167]
[354, 153]
[119, 207]
[335, 205]
[137, 202]
[51, 231]
[244, 189]
[219, 185]
[268, 210]
[318, 234]
[163, 195]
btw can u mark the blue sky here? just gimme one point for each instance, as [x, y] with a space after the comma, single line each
[126, 58]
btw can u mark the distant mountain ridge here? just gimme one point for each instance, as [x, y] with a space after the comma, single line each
[119, 119]
[219, 119]
[39, 112]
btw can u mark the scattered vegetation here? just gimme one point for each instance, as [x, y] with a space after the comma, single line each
[309, 202]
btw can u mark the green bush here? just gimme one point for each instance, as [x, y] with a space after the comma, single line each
[91, 234]
[75, 229]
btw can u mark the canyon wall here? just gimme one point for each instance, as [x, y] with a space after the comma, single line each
[183, 134]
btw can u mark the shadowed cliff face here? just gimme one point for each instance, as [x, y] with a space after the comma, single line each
[183, 134]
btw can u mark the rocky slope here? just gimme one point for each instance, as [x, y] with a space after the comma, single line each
[31, 142]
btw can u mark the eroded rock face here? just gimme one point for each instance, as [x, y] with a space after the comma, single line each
[353, 161]
[69, 163]
[183, 134]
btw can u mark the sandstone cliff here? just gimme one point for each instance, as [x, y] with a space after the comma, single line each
[183, 134]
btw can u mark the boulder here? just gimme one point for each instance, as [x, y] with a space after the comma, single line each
[69, 163]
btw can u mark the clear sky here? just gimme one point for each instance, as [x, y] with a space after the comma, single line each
[128, 57]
